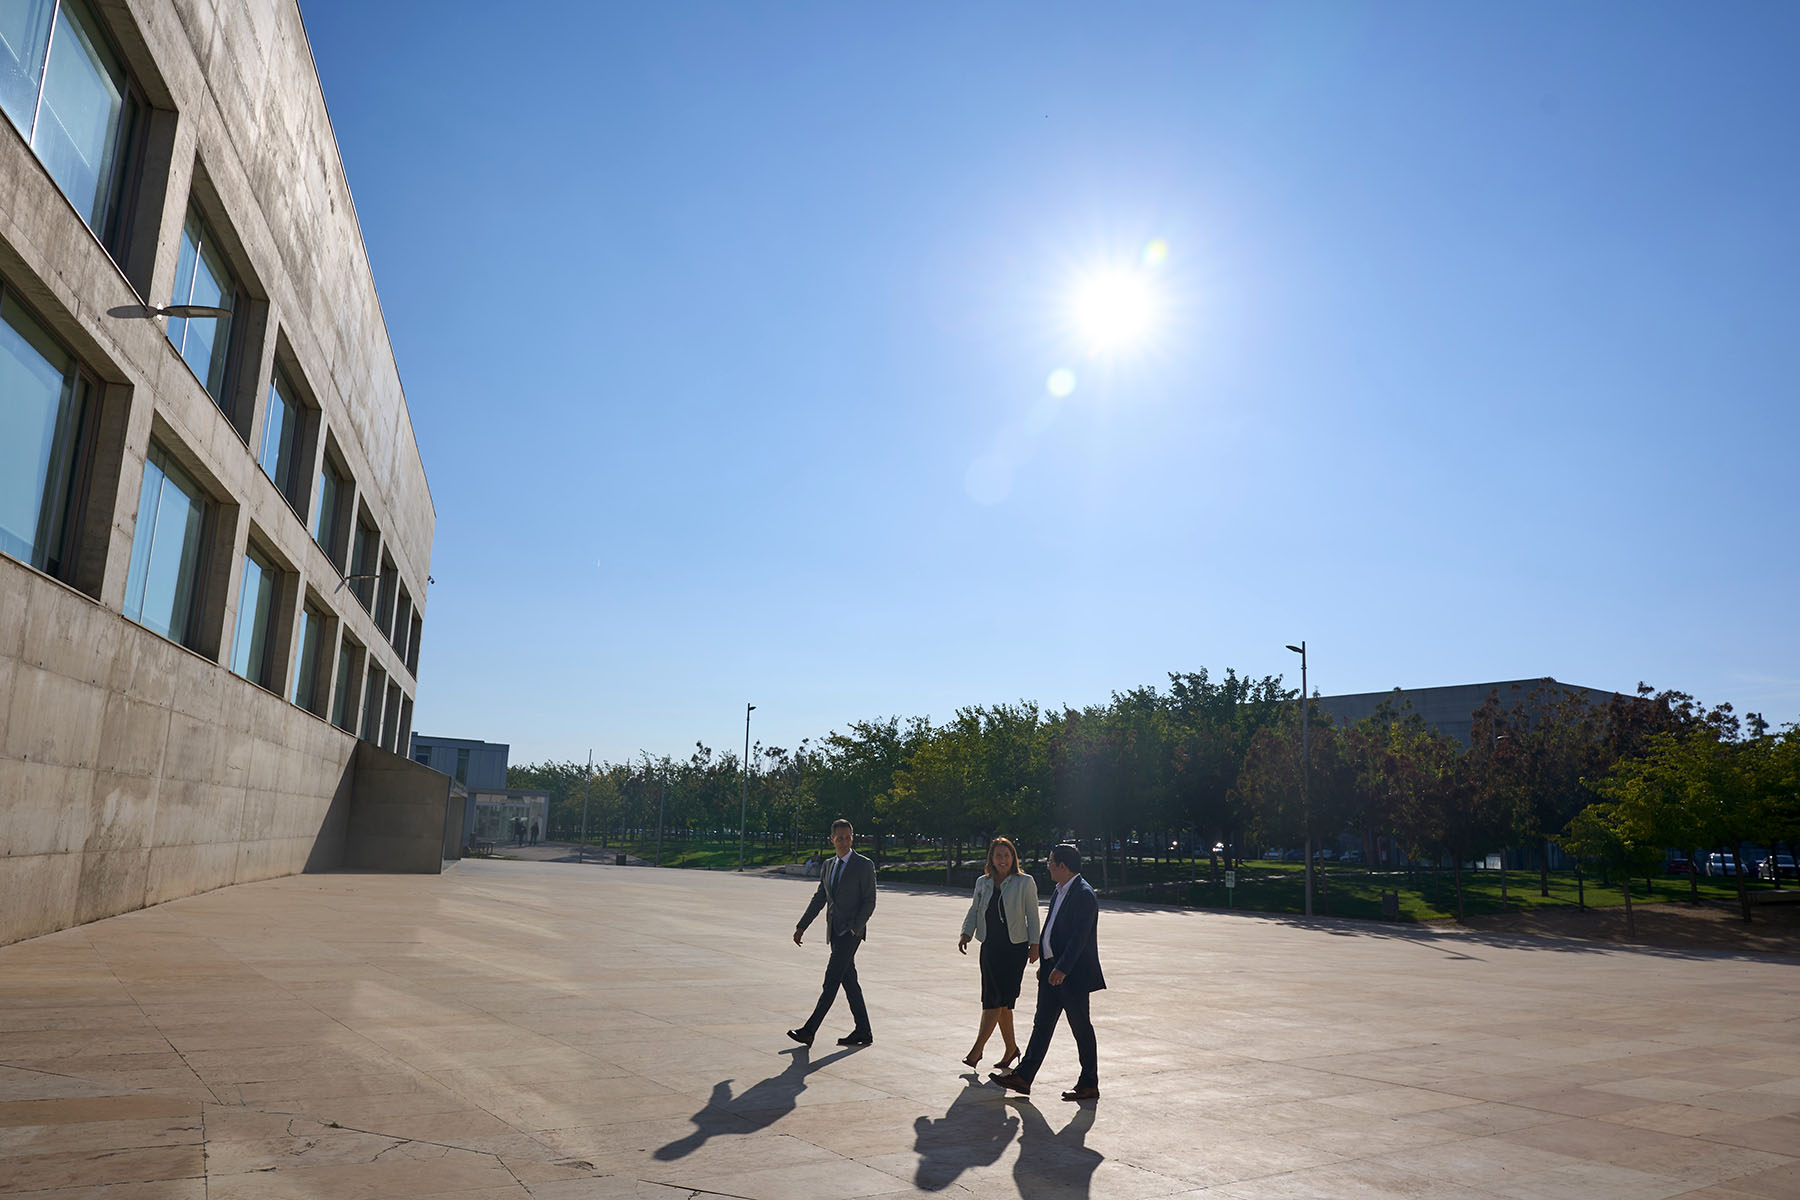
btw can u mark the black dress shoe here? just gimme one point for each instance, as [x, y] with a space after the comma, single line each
[805, 1039]
[1082, 1093]
[861, 1037]
[1014, 1081]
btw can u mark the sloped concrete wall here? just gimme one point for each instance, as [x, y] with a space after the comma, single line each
[133, 771]
[397, 814]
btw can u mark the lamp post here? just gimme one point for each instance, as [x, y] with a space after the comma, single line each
[1305, 771]
[744, 788]
[586, 791]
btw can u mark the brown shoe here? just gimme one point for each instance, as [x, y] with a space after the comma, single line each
[1014, 1081]
[1082, 1093]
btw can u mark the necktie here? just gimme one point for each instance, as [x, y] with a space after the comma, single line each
[837, 870]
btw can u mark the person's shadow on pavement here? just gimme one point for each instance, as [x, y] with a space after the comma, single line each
[1055, 1165]
[975, 1132]
[759, 1106]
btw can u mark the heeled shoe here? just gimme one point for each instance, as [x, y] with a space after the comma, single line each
[1006, 1063]
[974, 1060]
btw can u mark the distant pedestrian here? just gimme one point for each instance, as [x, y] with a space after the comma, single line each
[534, 833]
[1068, 974]
[846, 892]
[1003, 917]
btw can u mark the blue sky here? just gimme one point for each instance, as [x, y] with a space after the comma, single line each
[726, 330]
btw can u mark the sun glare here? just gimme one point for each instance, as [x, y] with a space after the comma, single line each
[1115, 309]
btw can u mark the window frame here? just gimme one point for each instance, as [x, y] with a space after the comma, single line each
[190, 625]
[124, 167]
[57, 552]
[231, 356]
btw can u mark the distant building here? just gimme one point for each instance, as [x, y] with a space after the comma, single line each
[215, 527]
[474, 764]
[1450, 710]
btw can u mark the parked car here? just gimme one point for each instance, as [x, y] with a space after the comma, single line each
[1272, 854]
[1678, 866]
[1351, 856]
[1291, 856]
[1721, 864]
[1782, 863]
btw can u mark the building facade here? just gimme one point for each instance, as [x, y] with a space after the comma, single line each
[215, 527]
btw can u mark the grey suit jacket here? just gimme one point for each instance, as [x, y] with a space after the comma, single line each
[848, 910]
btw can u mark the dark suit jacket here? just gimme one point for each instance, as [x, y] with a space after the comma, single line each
[849, 910]
[1074, 948]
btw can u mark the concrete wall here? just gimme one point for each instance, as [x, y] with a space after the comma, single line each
[134, 771]
[397, 814]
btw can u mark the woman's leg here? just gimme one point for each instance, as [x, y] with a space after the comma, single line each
[1006, 1030]
[988, 1017]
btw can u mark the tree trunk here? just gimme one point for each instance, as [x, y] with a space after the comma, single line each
[1743, 888]
[1544, 870]
[1630, 917]
[1580, 890]
[1459, 895]
[1503, 880]
[1693, 876]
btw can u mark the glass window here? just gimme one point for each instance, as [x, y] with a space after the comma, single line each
[165, 552]
[325, 514]
[256, 607]
[281, 427]
[344, 695]
[306, 667]
[462, 766]
[41, 410]
[201, 277]
[65, 90]
[362, 562]
[372, 697]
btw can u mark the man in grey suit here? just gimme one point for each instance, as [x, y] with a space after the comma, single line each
[846, 893]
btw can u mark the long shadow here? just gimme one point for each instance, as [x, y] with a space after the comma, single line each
[975, 1132]
[1056, 1164]
[757, 1107]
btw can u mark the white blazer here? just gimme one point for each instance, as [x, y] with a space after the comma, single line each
[1018, 900]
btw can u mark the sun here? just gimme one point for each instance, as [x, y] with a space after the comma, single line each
[1115, 309]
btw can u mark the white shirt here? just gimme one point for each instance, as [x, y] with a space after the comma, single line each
[1056, 899]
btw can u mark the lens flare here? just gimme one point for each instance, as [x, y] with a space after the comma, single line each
[1061, 383]
[1114, 309]
[1156, 253]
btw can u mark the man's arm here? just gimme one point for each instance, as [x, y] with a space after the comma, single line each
[812, 908]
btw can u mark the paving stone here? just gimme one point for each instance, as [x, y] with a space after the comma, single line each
[555, 1030]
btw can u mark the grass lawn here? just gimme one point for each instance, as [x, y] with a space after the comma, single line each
[1341, 891]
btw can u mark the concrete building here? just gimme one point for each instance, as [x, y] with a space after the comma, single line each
[1450, 710]
[472, 763]
[215, 527]
[473, 766]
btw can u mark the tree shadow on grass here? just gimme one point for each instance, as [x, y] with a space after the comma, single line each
[759, 1106]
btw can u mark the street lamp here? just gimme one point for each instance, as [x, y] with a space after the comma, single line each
[744, 788]
[144, 312]
[586, 791]
[1305, 771]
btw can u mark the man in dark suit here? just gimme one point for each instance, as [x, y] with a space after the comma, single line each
[1068, 973]
[847, 895]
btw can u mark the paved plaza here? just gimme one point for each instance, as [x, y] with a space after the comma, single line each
[537, 1029]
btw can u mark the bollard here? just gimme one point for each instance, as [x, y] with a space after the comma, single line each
[1390, 906]
[618, 860]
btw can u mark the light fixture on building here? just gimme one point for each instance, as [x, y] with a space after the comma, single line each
[144, 312]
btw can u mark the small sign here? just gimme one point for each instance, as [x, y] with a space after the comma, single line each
[1493, 862]
[1231, 879]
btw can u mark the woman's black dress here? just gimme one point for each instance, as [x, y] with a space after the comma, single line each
[1002, 960]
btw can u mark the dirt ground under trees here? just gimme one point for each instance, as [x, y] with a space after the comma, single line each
[1708, 925]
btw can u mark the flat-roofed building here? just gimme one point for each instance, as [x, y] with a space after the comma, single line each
[215, 527]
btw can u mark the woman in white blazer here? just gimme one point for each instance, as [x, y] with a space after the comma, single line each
[1003, 917]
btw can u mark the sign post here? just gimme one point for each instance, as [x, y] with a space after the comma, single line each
[1230, 887]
